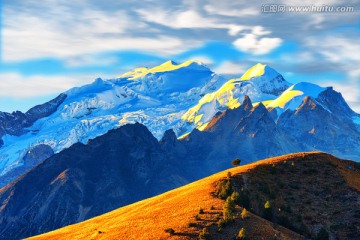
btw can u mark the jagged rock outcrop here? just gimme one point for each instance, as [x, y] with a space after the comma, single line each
[247, 132]
[321, 125]
[14, 123]
[33, 157]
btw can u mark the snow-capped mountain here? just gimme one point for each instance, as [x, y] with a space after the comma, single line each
[293, 96]
[156, 97]
[261, 83]
[182, 97]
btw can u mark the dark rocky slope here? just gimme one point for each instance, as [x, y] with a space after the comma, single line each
[121, 167]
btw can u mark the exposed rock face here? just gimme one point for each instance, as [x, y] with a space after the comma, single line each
[37, 154]
[123, 166]
[247, 132]
[274, 86]
[44, 110]
[335, 103]
[324, 124]
[251, 132]
[33, 157]
[14, 123]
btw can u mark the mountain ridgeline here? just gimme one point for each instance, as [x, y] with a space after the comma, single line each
[16, 122]
[103, 149]
[186, 97]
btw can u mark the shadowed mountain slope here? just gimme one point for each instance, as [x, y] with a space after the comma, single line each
[313, 194]
[123, 166]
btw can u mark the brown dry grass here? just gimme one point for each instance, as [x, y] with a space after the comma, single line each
[351, 177]
[175, 209]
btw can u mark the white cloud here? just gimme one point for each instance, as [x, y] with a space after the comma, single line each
[189, 19]
[59, 28]
[255, 44]
[18, 86]
[202, 58]
[299, 58]
[232, 12]
[90, 60]
[63, 34]
[230, 68]
[340, 50]
[349, 48]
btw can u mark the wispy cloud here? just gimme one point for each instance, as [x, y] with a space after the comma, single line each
[189, 19]
[90, 60]
[18, 86]
[331, 46]
[256, 44]
[70, 32]
[62, 29]
[231, 68]
[36, 39]
[229, 11]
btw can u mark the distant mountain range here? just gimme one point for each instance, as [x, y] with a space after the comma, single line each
[181, 97]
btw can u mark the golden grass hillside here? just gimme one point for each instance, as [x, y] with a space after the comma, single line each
[293, 184]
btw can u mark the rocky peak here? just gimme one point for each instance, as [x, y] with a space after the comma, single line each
[308, 104]
[44, 110]
[260, 108]
[168, 137]
[14, 123]
[246, 104]
[335, 102]
[230, 117]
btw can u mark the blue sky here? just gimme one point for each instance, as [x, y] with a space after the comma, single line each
[50, 46]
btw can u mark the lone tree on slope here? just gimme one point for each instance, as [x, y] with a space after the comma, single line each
[236, 162]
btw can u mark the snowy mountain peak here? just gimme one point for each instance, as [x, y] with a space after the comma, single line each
[255, 71]
[259, 70]
[168, 66]
[309, 88]
[170, 62]
[292, 97]
[247, 104]
[260, 83]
